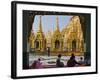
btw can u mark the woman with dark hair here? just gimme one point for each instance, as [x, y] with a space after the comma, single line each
[37, 64]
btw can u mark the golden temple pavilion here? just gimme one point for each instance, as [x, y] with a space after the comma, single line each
[70, 39]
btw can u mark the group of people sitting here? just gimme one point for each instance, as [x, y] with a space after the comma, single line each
[70, 63]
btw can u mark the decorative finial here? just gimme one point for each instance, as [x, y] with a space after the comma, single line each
[57, 24]
[40, 24]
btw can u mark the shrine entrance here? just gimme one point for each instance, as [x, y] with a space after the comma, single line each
[74, 45]
[37, 44]
[57, 44]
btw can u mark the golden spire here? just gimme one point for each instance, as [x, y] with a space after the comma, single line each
[40, 25]
[57, 25]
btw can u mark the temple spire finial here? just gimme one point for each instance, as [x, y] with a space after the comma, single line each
[40, 24]
[57, 23]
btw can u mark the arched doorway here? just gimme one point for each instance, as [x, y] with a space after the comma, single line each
[37, 44]
[74, 45]
[57, 44]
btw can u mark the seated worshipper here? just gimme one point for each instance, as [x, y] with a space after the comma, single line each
[37, 64]
[81, 61]
[58, 61]
[72, 62]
